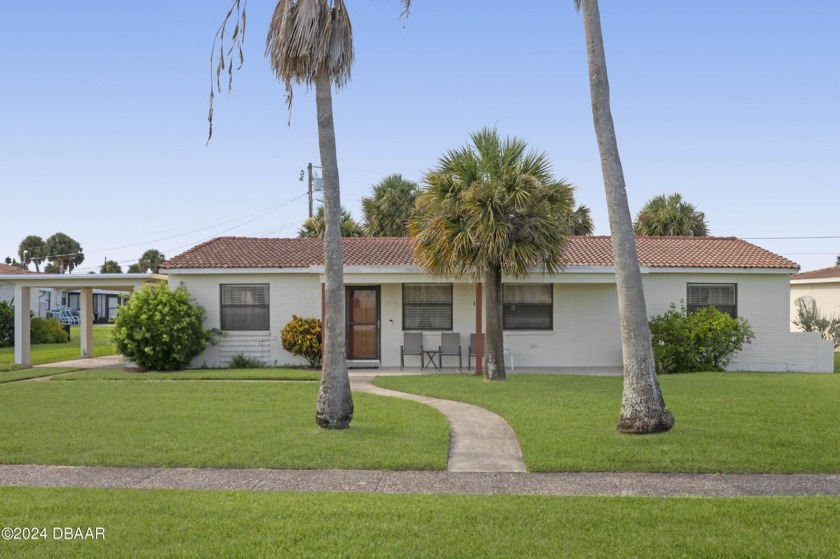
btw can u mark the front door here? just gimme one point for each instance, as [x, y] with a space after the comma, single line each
[363, 323]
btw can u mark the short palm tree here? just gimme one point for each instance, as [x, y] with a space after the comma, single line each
[670, 216]
[110, 267]
[315, 225]
[151, 260]
[32, 250]
[489, 209]
[642, 406]
[387, 212]
[580, 221]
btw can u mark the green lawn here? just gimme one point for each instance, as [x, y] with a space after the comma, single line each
[197, 374]
[21, 374]
[837, 362]
[53, 353]
[206, 424]
[187, 524]
[726, 422]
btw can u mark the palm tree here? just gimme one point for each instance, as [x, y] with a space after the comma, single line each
[490, 209]
[642, 406]
[65, 252]
[670, 216]
[110, 267]
[316, 225]
[387, 212]
[151, 260]
[310, 42]
[32, 249]
[580, 221]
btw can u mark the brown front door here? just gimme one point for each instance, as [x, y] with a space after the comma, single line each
[363, 323]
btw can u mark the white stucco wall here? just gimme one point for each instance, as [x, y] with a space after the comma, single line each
[826, 293]
[585, 322]
[7, 293]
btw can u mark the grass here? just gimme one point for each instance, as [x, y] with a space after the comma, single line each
[196, 374]
[53, 353]
[837, 362]
[22, 374]
[187, 524]
[211, 424]
[726, 422]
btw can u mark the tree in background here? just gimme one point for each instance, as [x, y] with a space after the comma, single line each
[580, 221]
[65, 252]
[837, 262]
[489, 209]
[670, 216]
[151, 260]
[135, 269]
[387, 212]
[642, 406]
[51, 268]
[110, 267]
[32, 249]
[315, 226]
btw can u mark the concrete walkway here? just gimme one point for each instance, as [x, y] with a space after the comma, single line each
[480, 440]
[106, 362]
[439, 483]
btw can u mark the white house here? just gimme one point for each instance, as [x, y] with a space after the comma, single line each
[819, 286]
[251, 287]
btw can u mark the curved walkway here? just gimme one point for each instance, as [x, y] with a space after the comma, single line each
[480, 440]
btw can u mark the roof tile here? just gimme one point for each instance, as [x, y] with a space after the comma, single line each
[5, 270]
[824, 273]
[656, 252]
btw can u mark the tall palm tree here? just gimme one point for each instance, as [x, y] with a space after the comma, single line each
[387, 212]
[489, 209]
[64, 252]
[316, 225]
[670, 216]
[642, 407]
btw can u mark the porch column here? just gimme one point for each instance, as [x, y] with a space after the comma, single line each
[86, 313]
[479, 349]
[22, 324]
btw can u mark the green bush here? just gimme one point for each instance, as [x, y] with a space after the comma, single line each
[302, 336]
[242, 361]
[810, 319]
[703, 340]
[47, 331]
[7, 324]
[161, 329]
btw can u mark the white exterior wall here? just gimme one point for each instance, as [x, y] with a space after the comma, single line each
[826, 293]
[7, 293]
[585, 321]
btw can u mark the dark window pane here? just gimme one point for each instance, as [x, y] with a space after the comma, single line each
[427, 306]
[527, 307]
[245, 307]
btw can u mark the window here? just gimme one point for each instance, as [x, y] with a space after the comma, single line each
[527, 307]
[722, 296]
[427, 306]
[245, 306]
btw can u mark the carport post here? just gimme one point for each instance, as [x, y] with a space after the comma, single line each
[22, 324]
[86, 312]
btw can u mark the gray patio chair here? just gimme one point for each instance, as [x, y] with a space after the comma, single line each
[471, 350]
[450, 344]
[412, 345]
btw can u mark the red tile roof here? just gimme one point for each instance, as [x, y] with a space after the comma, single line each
[824, 273]
[5, 269]
[670, 252]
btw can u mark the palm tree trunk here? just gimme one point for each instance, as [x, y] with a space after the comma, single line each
[334, 408]
[642, 407]
[494, 358]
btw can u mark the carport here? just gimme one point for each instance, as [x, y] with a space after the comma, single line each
[85, 284]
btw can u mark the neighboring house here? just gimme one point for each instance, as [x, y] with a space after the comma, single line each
[820, 286]
[41, 300]
[105, 303]
[251, 287]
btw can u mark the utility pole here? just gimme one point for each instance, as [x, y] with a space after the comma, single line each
[309, 181]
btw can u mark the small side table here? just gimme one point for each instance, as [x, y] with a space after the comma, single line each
[431, 354]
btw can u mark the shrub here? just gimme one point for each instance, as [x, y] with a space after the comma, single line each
[703, 340]
[242, 361]
[7, 324]
[302, 336]
[161, 329]
[810, 319]
[47, 331]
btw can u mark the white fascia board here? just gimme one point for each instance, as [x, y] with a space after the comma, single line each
[814, 280]
[750, 271]
[79, 281]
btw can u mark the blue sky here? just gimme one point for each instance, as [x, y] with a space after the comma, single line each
[103, 115]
